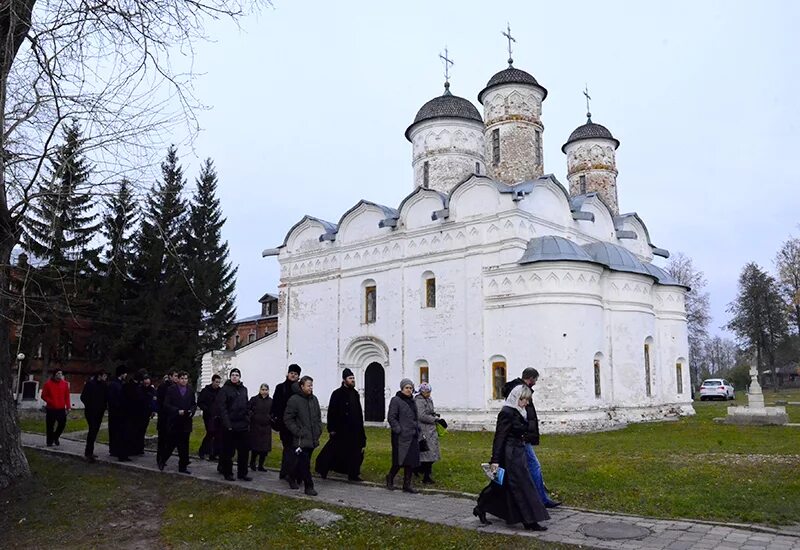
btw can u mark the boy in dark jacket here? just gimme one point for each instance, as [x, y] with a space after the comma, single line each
[95, 400]
[205, 402]
[231, 404]
[283, 392]
[180, 406]
[303, 419]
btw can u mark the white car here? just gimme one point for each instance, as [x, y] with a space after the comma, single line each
[716, 388]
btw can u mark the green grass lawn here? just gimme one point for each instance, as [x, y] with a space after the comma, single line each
[69, 505]
[691, 468]
[33, 421]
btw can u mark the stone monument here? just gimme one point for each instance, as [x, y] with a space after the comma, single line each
[756, 412]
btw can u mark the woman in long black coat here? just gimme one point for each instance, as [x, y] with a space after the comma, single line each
[402, 417]
[260, 411]
[516, 500]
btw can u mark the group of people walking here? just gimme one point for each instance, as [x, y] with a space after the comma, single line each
[240, 427]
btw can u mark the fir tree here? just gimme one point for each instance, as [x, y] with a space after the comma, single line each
[167, 335]
[115, 327]
[62, 222]
[214, 277]
[58, 232]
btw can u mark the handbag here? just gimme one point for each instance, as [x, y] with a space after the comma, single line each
[423, 445]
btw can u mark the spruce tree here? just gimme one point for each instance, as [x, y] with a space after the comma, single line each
[61, 223]
[115, 316]
[213, 276]
[167, 335]
[58, 232]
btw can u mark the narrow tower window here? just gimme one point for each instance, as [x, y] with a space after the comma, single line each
[430, 292]
[496, 146]
[582, 180]
[425, 174]
[498, 378]
[537, 147]
[370, 302]
[478, 168]
[647, 386]
[597, 378]
[679, 376]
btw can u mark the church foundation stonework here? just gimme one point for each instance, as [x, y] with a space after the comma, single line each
[488, 266]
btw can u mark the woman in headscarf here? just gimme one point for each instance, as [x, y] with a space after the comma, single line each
[516, 500]
[260, 411]
[427, 424]
[403, 420]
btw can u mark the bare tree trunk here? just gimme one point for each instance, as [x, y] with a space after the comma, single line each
[13, 464]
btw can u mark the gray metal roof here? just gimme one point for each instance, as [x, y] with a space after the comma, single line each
[446, 105]
[590, 130]
[511, 75]
[551, 248]
[616, 258]
[329, 227]
[662, 276]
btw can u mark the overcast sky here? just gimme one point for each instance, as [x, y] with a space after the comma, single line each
[309, 102]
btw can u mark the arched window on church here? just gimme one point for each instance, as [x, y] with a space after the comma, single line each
[423, 369]
[596, 371]
[370, 305]
[679, 374]
[582, 182]
[648, 385]
[426, 174]
[428, 289]
[499, 370]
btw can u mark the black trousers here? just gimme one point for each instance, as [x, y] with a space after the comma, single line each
[54, 420]
[302, 468]
[179, 439]
[94, 421]
[163, 439]
[234, 442]
[117, 437]
[288, 456]
[211, 442]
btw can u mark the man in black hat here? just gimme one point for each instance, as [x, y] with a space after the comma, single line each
[344, 451]
[117, 416]
[283, 392]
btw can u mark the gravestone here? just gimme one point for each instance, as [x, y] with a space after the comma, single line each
[756, 413]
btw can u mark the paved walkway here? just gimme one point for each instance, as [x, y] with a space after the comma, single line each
[568, 525]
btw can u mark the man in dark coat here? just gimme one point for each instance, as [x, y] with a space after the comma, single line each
[95, 401]
[205, 402]
[303, 419]
[232, 407]
[117, 416]
[529, 377]
[161, 422]
[344, 451]
[283, 392]
[179, 406]
[135, 406]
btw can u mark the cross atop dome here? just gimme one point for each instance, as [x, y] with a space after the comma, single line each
[588, 98]
[447, 64]
[507, 34]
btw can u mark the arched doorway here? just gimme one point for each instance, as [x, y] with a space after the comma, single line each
[374, 398]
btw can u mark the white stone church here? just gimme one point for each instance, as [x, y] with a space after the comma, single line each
[488, 266]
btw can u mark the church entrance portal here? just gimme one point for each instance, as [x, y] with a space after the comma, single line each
[374, 399]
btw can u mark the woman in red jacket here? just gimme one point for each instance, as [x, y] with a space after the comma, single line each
[55, 394]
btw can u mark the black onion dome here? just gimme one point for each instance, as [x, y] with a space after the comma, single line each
[512, 75]
[446, 105]
[590, 130]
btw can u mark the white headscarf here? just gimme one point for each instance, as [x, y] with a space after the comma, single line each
[513, 400]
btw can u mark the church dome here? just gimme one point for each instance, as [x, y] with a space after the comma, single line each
[551, 248]
[446, 105]
[616, 258]
[590, 130]
[511, 75]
